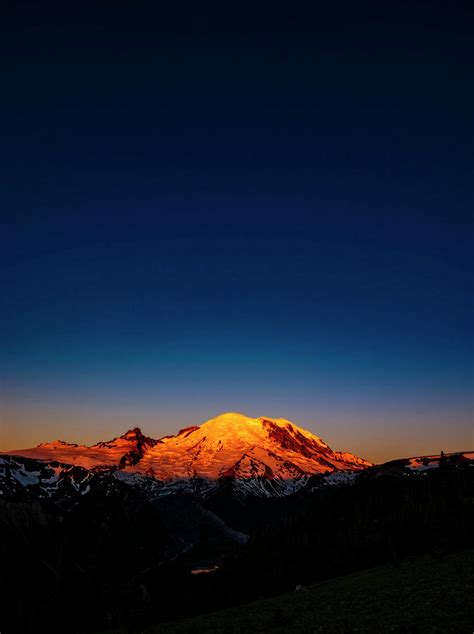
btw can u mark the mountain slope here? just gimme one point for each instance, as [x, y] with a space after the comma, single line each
[420, 595]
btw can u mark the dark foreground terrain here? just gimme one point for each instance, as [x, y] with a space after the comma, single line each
[389, 550]
[419, 595]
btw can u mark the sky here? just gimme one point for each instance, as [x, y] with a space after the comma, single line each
[263, 212]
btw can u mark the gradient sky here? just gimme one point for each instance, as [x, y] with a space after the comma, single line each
[265, 213]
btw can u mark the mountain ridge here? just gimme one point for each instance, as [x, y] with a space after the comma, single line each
[228, 444]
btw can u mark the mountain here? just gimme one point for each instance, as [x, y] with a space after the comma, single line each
[234, 445]
[134, 531]
[87, 550]
[228, 446]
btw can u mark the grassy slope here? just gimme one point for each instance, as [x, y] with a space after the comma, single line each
[422, 595]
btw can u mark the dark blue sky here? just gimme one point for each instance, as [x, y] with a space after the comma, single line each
[268, 212]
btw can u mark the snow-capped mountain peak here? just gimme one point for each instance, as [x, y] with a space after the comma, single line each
[229, 445]
[233, 443]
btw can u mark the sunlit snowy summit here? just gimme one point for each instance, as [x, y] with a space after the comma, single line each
[230, 445]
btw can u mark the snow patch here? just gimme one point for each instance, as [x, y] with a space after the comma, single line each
[26, 478]
[417, 464]
[204, 571]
